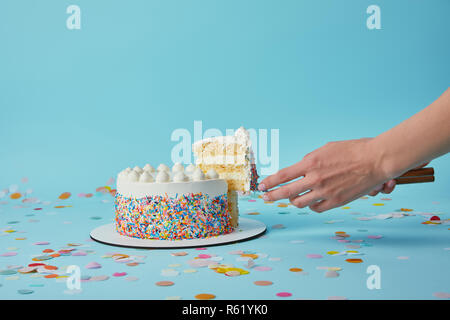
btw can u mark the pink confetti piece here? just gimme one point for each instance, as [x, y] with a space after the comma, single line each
[204, 256]
[262, 268]
[99, 278]
[314, 256]
[9, 254]
[79, 253]
[375, 236]
[200, 248]
[284, 294]
[331, 274]
[402, 258]
[82, 195]
[41, 243]
[93, 265]
[199, 263]
[442, 295]
[119, 274]
[251, 200]
[131, 278]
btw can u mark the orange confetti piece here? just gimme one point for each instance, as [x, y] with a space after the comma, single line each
[50, 276]
[354, 260]
[263, 283]
[15, 195]
[47, 250]
[50, 267]
[296, 269]
[405, 209]
[88, 195]
[253, 213]
[55, 255]
[64, 195]
[205, 296]
[250, 255]
[282, 205]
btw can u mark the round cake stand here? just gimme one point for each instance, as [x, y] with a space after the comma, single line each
[247, 229]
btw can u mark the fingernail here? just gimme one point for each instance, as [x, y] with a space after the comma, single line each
[265, 197]
[262, 187]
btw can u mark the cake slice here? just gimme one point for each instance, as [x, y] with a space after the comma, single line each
[232, 158]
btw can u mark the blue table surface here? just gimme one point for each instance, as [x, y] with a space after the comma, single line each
[413, 257]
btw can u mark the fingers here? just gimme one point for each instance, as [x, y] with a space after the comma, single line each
[389, 186]
[374, 192]
[282, 176]
[321, 206]
[290, 190]
[304, 200]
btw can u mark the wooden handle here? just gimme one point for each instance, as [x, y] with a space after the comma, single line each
[418, 172]
[416, 176]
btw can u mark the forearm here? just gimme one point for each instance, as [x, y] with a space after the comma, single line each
[421, 138]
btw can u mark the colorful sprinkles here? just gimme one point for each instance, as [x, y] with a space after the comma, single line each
[189, 216]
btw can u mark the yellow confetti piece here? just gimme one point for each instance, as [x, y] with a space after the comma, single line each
[223, 270]
[332, 252]
[283, 205]
[334, 268]
[378, 204]
[10, 231]
[253, 213]
[15, 195]
[268, 202]
[345, 208]
[20, 239]
[250, 255]
[189, 270]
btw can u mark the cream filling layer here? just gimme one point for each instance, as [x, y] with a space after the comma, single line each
[239, 159]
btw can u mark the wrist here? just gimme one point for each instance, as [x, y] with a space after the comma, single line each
[385, 164]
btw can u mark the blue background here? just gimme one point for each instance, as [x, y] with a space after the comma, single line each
[77, 106]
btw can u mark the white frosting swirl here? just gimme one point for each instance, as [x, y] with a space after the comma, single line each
[190, 169]
[138, 169]
[177, 167]
[133, 176]
[163, 167]
[162, 176]
[146, 177]
[179, 177]
[198, 175]
[149, 168]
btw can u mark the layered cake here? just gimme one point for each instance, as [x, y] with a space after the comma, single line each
[232, 158]
[171, 204]
[193, 202]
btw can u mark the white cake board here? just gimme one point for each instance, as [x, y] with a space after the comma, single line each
[247, 229]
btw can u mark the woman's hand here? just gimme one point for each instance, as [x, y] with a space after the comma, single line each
[333, 175]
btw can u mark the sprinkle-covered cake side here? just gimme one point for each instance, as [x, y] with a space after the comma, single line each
[165, 204]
